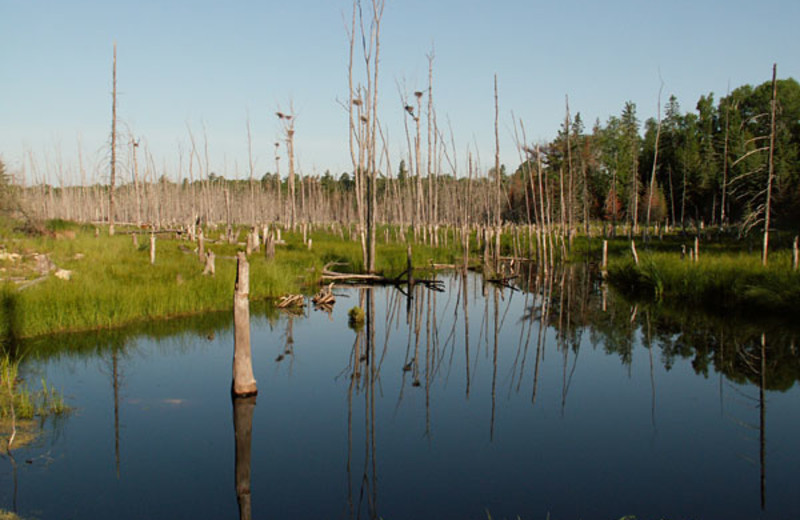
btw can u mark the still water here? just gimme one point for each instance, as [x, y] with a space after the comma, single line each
[560, 399]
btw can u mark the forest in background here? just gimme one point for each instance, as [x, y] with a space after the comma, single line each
[709, 166]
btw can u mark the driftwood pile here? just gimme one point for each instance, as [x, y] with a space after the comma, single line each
[324, 299]
[291, 301]
[324, 296]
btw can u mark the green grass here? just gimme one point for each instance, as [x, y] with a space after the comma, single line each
[26, 403]
[114, 284]
[719, 281]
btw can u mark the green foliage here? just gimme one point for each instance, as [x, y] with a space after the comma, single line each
[58, 224]
[719, 146]
[356, 318]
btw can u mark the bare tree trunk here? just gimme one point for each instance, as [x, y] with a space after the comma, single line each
[137, 189]
[113, 178]
[377, 12]
[771, 171]
[250, 165]
[569, 204]
[655, 157]
[244, 383]
[278, 183]
[288, 129]
[417, 159]
[498, 216]
[431, 194]
[725, 162]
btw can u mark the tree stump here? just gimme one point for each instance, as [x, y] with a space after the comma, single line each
[244, 382]
[210, 267]
[201, 246]
[269, 247]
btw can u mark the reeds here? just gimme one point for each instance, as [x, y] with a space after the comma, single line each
[26, 403]
[718, 281]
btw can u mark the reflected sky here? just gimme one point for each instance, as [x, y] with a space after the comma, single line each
[521, 403]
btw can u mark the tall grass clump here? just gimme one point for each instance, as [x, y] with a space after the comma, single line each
[21, 403]
[722, 282]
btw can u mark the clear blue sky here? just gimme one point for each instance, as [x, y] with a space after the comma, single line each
[209, 64]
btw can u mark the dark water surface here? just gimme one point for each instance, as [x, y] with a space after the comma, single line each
[521, 403]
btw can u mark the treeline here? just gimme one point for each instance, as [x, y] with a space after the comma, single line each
[705, 166]
[709, 165]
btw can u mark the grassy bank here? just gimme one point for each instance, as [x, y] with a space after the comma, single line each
[113, 283]
[731, 282]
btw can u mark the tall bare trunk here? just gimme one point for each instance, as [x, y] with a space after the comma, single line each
[113, 178]
[771, 169]
[655, 157]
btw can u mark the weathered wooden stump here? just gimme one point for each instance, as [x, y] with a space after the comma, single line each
[244, 383]
[152, 248]
[201, 246]
[269, 247]
[210, 267]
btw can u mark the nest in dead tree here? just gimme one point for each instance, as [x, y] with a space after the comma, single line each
[291, 300]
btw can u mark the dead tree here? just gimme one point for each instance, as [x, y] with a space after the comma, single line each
[287, 122]
[244, 382]
[771, 165]
[655, 159]
[113, 177]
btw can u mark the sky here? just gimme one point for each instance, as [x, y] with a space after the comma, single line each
[207, 67]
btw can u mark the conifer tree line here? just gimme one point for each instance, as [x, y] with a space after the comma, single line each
[708, 164]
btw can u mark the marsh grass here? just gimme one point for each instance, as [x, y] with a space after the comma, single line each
[719, 281]
[27, 404]
[114, 284]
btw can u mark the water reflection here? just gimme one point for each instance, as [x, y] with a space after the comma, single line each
[243, 408]
[566, 311]
[363, 375]
[477, 381]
